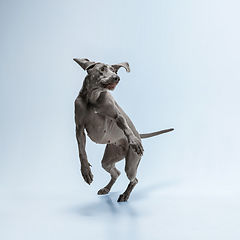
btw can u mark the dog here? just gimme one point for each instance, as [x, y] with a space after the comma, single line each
[105, 122]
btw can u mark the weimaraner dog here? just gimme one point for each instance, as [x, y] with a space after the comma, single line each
[106, 123]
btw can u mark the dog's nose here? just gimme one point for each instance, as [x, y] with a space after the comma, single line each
[116, 78]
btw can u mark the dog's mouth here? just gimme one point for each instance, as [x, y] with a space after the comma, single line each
[111, 86]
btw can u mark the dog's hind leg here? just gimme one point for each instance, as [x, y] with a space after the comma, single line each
[112, 155]
[132, 162]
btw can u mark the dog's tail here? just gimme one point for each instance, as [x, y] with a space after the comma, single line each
[148, 135]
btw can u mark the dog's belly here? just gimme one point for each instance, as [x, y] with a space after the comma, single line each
[104, 130]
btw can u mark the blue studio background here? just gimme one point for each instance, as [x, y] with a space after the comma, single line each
[184, 60]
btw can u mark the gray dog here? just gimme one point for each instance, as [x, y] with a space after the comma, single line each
[106, 123]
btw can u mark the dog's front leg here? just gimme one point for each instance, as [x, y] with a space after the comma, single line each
[134, 142]
[85, 166]
[106, 105]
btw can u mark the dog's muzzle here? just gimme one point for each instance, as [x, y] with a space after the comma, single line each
[111, 83]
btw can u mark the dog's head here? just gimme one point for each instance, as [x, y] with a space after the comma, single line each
[102, 75]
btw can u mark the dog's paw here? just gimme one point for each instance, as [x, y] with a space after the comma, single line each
[123, 198]
[87, 174]
[136, 145]
[103, 191]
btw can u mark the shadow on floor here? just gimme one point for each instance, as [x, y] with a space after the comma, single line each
[108, 205]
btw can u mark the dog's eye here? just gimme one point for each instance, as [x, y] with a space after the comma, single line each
[102, 69]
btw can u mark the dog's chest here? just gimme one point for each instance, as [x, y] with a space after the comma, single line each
[102, 129]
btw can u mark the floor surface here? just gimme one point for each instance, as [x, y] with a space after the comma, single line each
[151, 213]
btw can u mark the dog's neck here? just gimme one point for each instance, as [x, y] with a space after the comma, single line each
[90, 93]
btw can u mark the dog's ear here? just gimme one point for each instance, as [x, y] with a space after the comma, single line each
[84, 63]
[124, 64]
